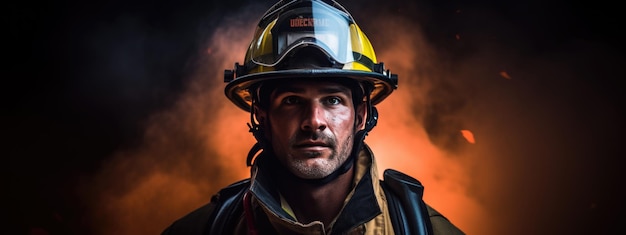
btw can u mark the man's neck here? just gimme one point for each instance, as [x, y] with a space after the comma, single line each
[311, 202]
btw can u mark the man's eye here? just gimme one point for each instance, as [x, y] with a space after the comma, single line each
[291, 100]
[333, 100]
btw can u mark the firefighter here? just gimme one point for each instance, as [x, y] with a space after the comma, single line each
[310, 81]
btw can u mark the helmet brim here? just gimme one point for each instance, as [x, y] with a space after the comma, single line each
[237, 90]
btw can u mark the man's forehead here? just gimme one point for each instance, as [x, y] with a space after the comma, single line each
[304, 85]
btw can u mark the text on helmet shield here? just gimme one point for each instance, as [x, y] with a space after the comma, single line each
[308, 22]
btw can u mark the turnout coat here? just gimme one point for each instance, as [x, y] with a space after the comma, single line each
[373, 207]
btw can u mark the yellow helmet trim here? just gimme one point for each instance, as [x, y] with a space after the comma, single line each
[291, 26]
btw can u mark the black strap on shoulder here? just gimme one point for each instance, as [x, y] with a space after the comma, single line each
[409, 214]
[228, 208]
[408, 211]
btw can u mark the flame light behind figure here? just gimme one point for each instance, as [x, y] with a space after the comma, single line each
[199, 144]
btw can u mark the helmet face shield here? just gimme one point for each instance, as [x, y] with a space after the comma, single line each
[313, 24]
[281, 47]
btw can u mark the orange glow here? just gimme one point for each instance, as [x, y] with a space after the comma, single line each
[469, 136]
[504, 74]
[199, 145]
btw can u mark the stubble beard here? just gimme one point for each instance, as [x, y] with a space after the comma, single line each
[322, 167]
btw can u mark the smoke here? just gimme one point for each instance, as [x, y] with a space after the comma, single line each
[528, 125]
[525, 127]
[199, 145]
[188, 151]
[420, 125]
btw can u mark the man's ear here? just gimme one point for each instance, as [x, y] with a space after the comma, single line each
[360, 115]
[260, 115]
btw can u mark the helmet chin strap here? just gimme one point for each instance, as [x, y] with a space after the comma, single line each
[359, 137]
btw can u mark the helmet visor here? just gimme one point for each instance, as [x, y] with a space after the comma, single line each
[313, 25]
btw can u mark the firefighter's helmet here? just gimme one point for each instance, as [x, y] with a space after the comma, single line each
[323, 27]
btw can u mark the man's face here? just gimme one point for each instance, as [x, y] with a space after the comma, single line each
[311, 126]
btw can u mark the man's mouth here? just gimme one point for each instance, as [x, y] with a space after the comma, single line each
[312, 144]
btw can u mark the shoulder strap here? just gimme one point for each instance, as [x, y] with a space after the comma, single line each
[228, 207]
[408, 211]
[215, 217]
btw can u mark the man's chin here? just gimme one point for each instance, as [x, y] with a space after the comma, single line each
[309, 176]
[313, 168]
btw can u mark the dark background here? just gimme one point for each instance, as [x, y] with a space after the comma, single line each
[72, 96]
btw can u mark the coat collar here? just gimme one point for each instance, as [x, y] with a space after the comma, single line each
[361, 205]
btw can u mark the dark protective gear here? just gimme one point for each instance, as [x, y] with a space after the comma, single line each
[405, 212]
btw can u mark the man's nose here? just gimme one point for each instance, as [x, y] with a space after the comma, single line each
[314, 117]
